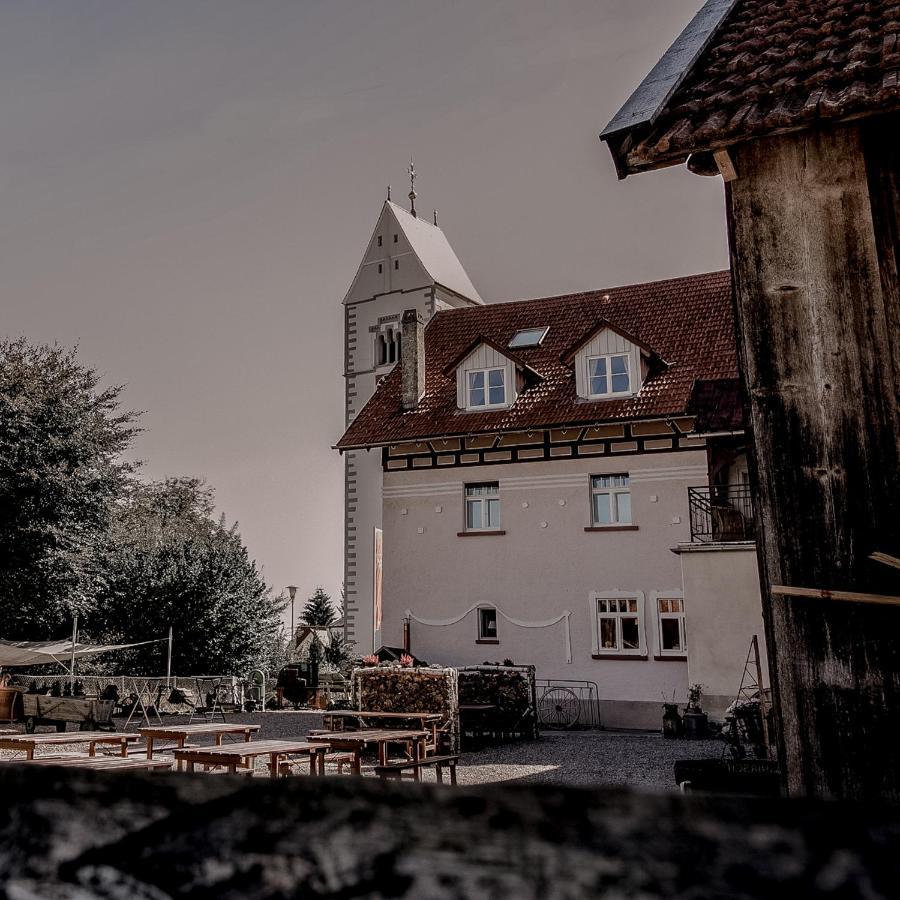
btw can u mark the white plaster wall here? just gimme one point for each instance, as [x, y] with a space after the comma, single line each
[536, 571]
[723, 611]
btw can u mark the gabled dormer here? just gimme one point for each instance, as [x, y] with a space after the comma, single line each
[488, 378]
[609, 363]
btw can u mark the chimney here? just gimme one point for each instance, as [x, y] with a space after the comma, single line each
[412, 358]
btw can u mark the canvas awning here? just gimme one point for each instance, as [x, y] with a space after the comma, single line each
[36, 653]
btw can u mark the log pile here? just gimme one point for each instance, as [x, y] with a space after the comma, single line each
[422, 689]
[511, 689]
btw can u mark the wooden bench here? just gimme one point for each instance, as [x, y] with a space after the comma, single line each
[103, 763]
[396, 770]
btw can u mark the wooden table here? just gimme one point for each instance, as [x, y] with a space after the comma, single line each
[356, 741]
[233, 756]
[180, 733]
[104, 763]
[27, 742]
[423, 719]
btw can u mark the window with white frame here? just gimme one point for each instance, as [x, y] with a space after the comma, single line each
[487, 623]
[610, 500]
[670, 613]
[619, 625]
[483, 507]
[609, 375]
[485, 388]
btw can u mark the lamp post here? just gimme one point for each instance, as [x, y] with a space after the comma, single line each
[292, 590]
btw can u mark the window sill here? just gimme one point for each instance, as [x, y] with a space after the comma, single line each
[642, 657]
[485, 533]
[487, 641]
[670, 657]
[611, 528]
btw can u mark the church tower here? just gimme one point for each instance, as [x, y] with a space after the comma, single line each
[408, 264]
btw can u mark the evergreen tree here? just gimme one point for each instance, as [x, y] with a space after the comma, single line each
[318, 609]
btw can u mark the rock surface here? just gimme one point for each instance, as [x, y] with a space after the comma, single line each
[91, 835]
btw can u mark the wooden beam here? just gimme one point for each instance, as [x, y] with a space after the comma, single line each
[725, 165]
[886, 558]
[780, 590]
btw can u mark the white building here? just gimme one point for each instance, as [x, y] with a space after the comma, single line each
[532, 466]
[408, 264]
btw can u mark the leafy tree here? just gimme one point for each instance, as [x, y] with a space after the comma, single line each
[170, 563]
[318, 609]
[61, 472]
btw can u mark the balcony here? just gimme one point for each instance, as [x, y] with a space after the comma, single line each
[721, 514]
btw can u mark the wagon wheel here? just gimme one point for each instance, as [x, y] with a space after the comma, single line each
[559, 708]
[30, 725]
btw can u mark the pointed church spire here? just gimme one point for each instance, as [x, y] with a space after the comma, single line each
[412, 187]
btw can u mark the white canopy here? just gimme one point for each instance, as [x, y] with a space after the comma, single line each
[36, 653]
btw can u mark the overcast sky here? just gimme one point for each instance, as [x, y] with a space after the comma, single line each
[188, 187]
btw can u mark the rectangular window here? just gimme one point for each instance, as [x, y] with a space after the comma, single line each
[485, 388]
[619, 623]
[379, 240]
[609, 375]
[487, 623]
[483, 507]
[610, 500]
[670, 611]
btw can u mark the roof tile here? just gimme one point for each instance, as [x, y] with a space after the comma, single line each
[686, 321]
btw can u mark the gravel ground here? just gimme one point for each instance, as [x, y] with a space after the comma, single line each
[583, 758]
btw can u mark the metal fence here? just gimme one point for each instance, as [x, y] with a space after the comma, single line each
[723, 512]
[564, 704]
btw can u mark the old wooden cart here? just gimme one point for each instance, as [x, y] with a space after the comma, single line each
[89, 715]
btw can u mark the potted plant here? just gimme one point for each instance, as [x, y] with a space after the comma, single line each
[696, 722]
[673, 725]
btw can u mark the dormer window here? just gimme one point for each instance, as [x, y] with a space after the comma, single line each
[609, 375]
[485, 388]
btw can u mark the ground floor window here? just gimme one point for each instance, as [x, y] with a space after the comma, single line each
[487, 623]
[619, 625]
[670, 612]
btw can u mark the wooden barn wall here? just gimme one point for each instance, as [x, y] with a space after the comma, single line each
[817, 316]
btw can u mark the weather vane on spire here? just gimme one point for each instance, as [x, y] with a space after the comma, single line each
[412, 187]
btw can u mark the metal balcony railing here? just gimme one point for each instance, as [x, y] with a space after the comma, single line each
[723, 513]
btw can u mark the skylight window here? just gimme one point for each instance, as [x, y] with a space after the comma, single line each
[528, 337]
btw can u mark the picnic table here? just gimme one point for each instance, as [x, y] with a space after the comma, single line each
[233, 756]
[180, 733]
[356, 741]
[103, 763]
[27, 742]
[424, 720]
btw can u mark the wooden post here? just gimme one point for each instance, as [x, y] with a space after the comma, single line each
[763, 705]
[814, 247]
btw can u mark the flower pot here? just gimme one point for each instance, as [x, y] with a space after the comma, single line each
[10, 704]
[672, 724]
[696, 724]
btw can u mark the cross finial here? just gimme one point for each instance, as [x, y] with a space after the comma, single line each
[389, 192]
[412, 187]
[435, 217]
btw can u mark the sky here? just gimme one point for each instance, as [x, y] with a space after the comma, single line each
[188, 187]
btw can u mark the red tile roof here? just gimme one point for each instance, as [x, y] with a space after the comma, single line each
[774, 66]
[686, 321]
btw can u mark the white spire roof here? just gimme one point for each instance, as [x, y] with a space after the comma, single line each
[434, 252]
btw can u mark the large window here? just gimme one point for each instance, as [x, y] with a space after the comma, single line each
[487, 623]
[609, 375]
[482, 507]
[610, 500]
[670, 612]
[485, 388]
[619, 625]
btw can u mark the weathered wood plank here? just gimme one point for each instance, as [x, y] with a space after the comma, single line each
[781, 590]
[820, 351]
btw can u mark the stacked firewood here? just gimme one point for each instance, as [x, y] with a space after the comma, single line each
[511, 689]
